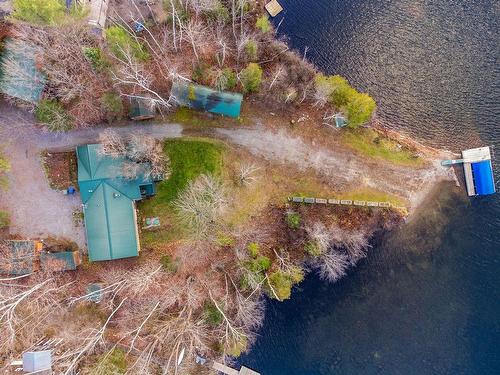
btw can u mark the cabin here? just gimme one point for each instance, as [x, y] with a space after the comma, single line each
[204, 98]
[108, 199]
[141, 109]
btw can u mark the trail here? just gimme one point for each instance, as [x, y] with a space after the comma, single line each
[347, 170]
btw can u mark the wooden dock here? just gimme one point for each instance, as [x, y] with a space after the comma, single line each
[231, 371]
[274, 8]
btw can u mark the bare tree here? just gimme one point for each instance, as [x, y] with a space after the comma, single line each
[246, 174]
[320, 236]
[144, 148]
[112, 144]
[195, 33]
[201, 204]
[354, 243]
[332, 265]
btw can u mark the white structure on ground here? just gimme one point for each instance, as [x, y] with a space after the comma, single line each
[98, 12]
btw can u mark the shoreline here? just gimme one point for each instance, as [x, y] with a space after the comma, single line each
[309, 150]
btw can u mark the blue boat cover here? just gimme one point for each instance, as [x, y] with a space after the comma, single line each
[483, 177]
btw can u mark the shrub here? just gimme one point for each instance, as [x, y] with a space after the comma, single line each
[253, 249]
[251, 77]
[225, 240]
[281, 285]
[120, 41]
[312, 249]
[281, 282]
[4, 168]
[225, 80]
[218, 13]
[359, 107]
[44, 12]
[293, 220]
[169, 264]
[114, 362]
[263, 24]
[112, 104]
[258, 265]
[4, 219]
[211, 314]
[251, 50]
[199, 72]
[238, 346]
[53, 115]
[96, 58]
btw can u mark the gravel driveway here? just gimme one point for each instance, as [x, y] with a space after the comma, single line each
[37, 210]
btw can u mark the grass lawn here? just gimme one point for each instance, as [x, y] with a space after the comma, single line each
[368, 194]
[370, 143]
[189, 158]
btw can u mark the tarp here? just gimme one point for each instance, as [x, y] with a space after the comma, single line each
[19, 77]
[483, 177]
[206, 99]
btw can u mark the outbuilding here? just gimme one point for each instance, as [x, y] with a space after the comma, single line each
[478, 171]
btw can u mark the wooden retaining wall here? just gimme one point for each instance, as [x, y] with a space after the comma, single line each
[343, 202]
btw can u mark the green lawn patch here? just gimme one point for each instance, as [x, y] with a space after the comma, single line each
[189, 158]
[372, 144]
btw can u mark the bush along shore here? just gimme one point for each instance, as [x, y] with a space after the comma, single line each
[227, 239]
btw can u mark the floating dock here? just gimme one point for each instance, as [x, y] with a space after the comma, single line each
[274, 8]
[231, 371]
[478, 171]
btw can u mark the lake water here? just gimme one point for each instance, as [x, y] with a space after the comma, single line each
[427, 298]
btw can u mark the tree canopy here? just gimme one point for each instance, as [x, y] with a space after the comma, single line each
[251, 77]
[358, 107]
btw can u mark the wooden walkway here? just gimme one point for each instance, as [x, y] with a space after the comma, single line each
[231, 371]
[345, 202]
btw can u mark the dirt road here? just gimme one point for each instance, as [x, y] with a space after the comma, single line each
[36, 210]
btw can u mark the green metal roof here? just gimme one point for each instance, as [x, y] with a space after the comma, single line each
[206, 99]
[28, 82]
[108, 198]
[94, 168]
[110, 225]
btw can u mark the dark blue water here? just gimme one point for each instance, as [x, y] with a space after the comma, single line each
[427, 299]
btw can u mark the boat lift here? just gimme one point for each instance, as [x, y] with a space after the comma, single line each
[478, 170]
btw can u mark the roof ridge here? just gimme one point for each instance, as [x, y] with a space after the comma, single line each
[107, 219]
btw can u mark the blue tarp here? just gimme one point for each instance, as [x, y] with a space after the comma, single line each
[206, 99]
[483, 177]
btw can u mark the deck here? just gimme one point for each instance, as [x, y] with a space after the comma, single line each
[231, 371]
[274, 8]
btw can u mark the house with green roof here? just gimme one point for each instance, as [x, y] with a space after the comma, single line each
[109, 203]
